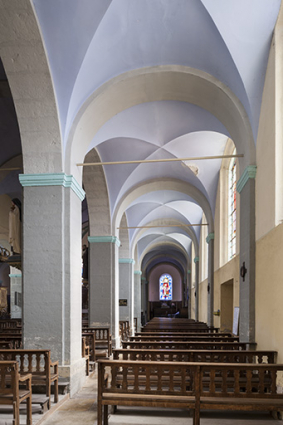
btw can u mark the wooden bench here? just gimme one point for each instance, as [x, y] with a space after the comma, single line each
[184, 345]
[85, 354]
[254, 388]
[209, 338]
[11, 393]
[201, 356]
[158, 393]
[89, 338]
[184, 333]
[103, 339]
[195, 386]
[38, 364]
[10, 324]
[14, 338]
[124, 329]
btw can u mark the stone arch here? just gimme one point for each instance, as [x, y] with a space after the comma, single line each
[167, 82]
[163, 184]
[97, 197]
[124, 250]
[30, 81]
[163, 222]
[153, 245]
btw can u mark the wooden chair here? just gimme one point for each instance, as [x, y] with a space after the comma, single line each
[10, 392]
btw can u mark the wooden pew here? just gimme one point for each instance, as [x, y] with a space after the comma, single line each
[38, 364]
[11, 394]
[103, 338]
[124, 329]
[161, 393]
[90, 341]
[184, 345]
[85, 354]
[184, 333]
[172, 337]
[254, 388]
[195, 386]
[201, 356]
[10, 324]
[14, 338]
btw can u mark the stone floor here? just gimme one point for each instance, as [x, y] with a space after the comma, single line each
[82, 410]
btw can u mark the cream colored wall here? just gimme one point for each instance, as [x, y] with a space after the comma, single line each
[193, 284]
[222, 275]
[269, 292]
[265, 177]
[203, 251]
[203, 301]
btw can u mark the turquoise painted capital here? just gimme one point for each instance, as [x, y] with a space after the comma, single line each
[15, 275]
[103, 239]
[126, 261]
[52, 179]
[189, 271]
[138, 272]
[210, 237]
[196, 259]
[249, 173]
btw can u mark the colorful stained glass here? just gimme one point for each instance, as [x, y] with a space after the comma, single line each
[165, 287]
[232, 208]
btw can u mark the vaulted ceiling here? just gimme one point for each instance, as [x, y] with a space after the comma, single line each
[90, 42]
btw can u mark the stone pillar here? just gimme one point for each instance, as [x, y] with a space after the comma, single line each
[137, 298]
[126, 290]
[246, 188]
[103, 284]
[189, 294]
[210, 286]
[196, 261]
[52, 310]
[15, 293]
[145, 298]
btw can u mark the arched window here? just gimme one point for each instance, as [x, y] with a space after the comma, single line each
[232, 210]
[165, 287]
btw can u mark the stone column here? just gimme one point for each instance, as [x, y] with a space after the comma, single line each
[210, 286]
[189, 294]
[246, 188]
[126, 290]
[137, 297]
[196, 261]
[15, 293]
[103, 284]
[52, 310]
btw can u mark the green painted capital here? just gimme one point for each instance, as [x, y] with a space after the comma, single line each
[52, 179]
[189, 272]
[104, 239]
[138, 272]
[249, 173]
[210, 237]
[196, 259]
[126, 261]
[15, 275]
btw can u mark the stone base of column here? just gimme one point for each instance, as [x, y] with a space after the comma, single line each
[116, 342]
[75, 374]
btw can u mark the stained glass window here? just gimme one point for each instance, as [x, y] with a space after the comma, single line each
[232, 207]
[165, 287]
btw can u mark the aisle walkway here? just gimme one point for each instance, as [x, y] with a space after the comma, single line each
[82, 410]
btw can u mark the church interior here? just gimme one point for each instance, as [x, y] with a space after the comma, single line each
[141, 172]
